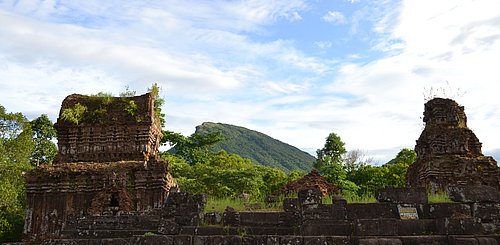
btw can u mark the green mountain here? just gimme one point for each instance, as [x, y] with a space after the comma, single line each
[260, 148]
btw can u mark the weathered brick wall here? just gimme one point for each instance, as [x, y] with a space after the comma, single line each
[58, 194]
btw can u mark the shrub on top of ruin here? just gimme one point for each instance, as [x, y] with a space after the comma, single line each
[96, 107]
[74, 114]
[443, 92]
[131, 108]
[155, 92]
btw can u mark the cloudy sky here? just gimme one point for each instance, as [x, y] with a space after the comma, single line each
[295, 70]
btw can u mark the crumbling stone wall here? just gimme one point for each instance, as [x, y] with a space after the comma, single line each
[305, 221]
[448, 152]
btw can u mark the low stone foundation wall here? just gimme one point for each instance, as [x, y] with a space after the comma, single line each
[304, 220]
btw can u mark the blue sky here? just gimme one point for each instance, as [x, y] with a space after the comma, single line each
[293, 69]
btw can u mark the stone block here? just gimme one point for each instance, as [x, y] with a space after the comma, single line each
[231, 218]
[424, 240]
[464, 241]
[201, 240]
[322, 211]
[199, 199]
[487, 212]
[336, 199]
[473, 194]
[447, 210]
[402, 195]
[168, 227]
[254, 240]
[147, 240]
[185, 208]
[291, 205]
[372, 211]
[273, 240]
[339, 211]
[182, 240]
[326, 228]
[270, 230]
[379, 241]
[110, 241]
[292, 240]
[487, 241]
[57, 242]
[449, 226]
[213, 218]
[259, 218]
[189, 218]
[310, 198]
[326, 240]
[490, 228]
[289, 219]
[176, 198]
[416, 227]
[375, 227]
[225, 240]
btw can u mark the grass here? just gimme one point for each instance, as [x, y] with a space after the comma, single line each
[368, 198]
[439, 197]
[220, 204]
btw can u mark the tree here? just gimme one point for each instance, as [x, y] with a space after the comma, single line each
[225, 175]
[43, 133]
[406, 156]
[16, 146]
[332, 151]
[193, 149]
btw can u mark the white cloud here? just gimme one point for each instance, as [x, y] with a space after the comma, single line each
[323, 44]
[211, 70]
[430, 43]
[334, 17]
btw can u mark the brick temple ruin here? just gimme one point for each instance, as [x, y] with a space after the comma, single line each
[108, 186]
[107, 163]
[448, 152]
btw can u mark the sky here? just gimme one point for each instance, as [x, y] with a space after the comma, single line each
[296, 70]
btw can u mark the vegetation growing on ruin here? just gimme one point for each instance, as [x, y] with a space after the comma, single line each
[155, 91]
[97, 106]
[439, 197]
[74, 114]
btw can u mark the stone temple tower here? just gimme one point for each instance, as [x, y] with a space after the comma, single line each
[107, 164]
[448, 152]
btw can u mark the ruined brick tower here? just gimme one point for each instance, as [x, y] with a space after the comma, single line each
[449, 153]
[110, 129]
[107, 164]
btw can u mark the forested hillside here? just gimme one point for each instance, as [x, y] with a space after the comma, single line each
[258, 147]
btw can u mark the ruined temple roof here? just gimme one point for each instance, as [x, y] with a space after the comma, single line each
[310, 180]
[444, 113]
[79, 109]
